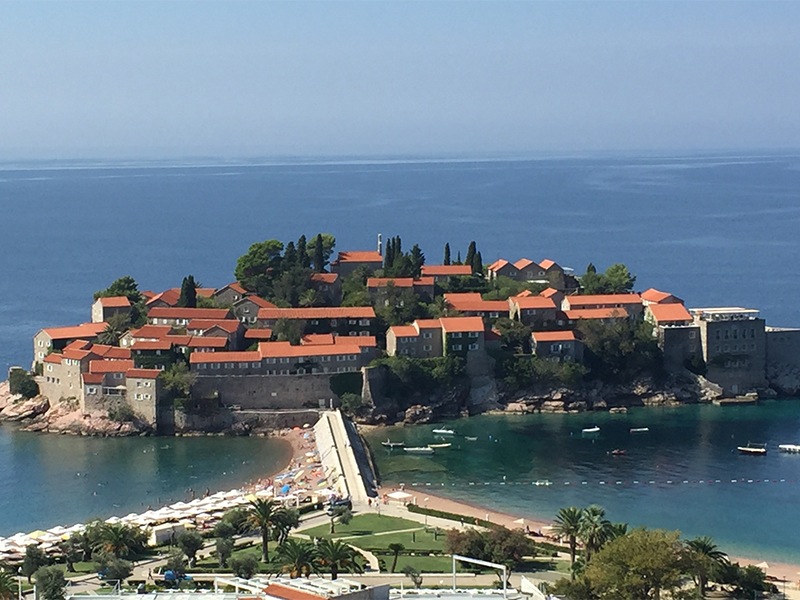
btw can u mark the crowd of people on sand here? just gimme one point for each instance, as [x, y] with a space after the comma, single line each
[302, 481]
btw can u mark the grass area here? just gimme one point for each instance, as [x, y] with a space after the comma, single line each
[423, 564]
[363, 525]
[425, 540]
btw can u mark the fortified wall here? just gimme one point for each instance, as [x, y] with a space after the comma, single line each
[266, 392]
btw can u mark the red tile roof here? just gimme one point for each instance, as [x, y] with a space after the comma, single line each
[287, 593]
[142, 373]
[147, 345]
[657, 296]
[286, 350]
[53, 357]
[78, 345]
[221, 357]
[111, 352]
[151, 332]
[329, 278]
[461, 324]
[168, 297]
[368, 256]
[524, 263]
[429, 323]
[92, 378]
[257, 300]
[229, 325]
[258, 334]
[498, 264]
[401, 282]
[472, 302]
[596, 313]
[175, 312]
[553, 336]
[524, 294]
[110, 366]
[546, 264]
[534, 302]
[669, 313]
[235, 286]
[199, 341]
[178, 340]
[446, 270]
[364, 341]
[318, 338]
[334, 312]
[84, 330]
[404, 330]
[549, 292]
[609, 300]
[76, 354]
[114, 302]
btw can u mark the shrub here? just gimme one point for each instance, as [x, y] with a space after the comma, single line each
[21, 382]
[121, 413]
[244, 566]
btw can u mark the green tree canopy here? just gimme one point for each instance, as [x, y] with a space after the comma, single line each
[21, 382]
[256, 269]
[124, 286]
[50, 583]
[190, 542]
[188, 297]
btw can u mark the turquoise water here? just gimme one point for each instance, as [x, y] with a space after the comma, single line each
[49, 480]
[677, 476]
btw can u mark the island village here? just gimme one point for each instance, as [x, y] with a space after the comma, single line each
[304, 342]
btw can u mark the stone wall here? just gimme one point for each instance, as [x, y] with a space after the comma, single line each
[242, 421]
[266, 392]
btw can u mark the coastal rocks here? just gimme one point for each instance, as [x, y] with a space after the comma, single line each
[6, 397]
[417, 414]
[25, 409]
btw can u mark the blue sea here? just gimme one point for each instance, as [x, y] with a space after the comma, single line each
[714, 229]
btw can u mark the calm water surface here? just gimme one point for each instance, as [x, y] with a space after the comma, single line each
[657, 483]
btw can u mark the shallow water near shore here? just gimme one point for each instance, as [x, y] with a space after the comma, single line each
[49, 480]
[685, 473]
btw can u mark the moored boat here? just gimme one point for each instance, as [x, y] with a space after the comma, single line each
[753, 449]
[594, 429]
[444, 432]
[639, 429]
[618, 452]
[390, 444]
[470, 438]
[790, 448]
[447, 445]
[419, 450]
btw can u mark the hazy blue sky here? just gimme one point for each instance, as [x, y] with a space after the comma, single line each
[145, 79]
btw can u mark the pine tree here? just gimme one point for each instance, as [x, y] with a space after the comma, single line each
[304, 260]
[477, 264]
[470, 253]
[289, 256]
[446, 260]
[417, 259]
[188, 297]
[319, 254]
[388, 255]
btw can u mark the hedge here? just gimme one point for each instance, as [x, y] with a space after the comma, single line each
[432, 512]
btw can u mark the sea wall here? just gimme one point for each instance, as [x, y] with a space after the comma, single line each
[266, 392]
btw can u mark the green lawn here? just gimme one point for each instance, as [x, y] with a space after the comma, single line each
[363, 525]
[412, 540]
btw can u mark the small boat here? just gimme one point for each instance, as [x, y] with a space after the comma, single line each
[469, 438]
[444, 432]
[594, 429]
[790, 448]
[618, 452]
[640, 430]
[419, 450]
[390, 444]
[753, 449]
[439, 445]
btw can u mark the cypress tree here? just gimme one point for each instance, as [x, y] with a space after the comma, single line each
[417, 259]
[302, 252]
[477, 264]
[458, 258]
[590, 268]
[319, 254]
[446, 260]
[470, 253]
[289, 257]
[188, 297]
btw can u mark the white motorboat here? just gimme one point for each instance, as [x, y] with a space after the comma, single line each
[444, 432]
[790, 448]
[390, 444]
[447, 445]
[753, 449]
[419, 450]
[640, 430]
[594, 429]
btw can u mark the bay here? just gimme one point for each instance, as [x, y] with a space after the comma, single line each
[685, 473]
[49, 480]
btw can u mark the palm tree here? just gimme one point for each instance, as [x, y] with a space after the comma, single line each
[343, 514]
[568, 524]
[704, 556]
[594, 529]
[299, 558]
[616, 530]
[264, 515]
[8, 586]
[118, 539]
[338, 556]
[286, 520]
[310, 298]
[396, 549]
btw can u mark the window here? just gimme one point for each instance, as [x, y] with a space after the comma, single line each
[352, 322]
[473, 334]
[753, 332]
[246, 309]
[726, 347]
[473, 346]
[147, 396]
[138, 396]
[456, 346]
[339, 358]
[50, 368]
[243, 365]
[364, 322]
[91, 390]
[752, 346]
[363, 333]
[333, 322]
[40, 343]
[118, 375]
[138, 384]
[228, 365]
[215, 365]
[146, 384]
[427, 335]
[315, 321]
[255, 365]
[427, 347]
[494, 315]
[284, 361]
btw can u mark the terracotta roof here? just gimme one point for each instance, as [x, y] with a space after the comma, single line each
[524, 294]
[287, 593]
[370, 256]
[446, 270]
[524, 263]
[53, 357]
[549, 292]
[257, 334]
[364, 341]
[199, 341]
[533, 302]
[168, 297]
[78, 345]
[221, 357]
[92, 378]
[162, 344]
[329, 278]
[174, 312]
[235, 286]
[334, 312]
[603, 300]
[147, 294]
[471, 302]
[114, 302]
[428, 323]
[596, 313]
[547, 264]
[76, 354]
[553, 336]
[461, 324]
[257, 300]
[286, 350]
[669, 313]
[84, 330]
[110, 366]
[404, 330]
[151, 331]
[112, 352]
[229, 325]
[401, 282]
[143, 373]
[178, 340]
[318, 338]
[657, 296]
[498, 264]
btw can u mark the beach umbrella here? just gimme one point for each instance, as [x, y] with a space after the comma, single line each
[35, 535]
[285, 489]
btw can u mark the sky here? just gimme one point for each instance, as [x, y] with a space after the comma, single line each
[232, 79]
